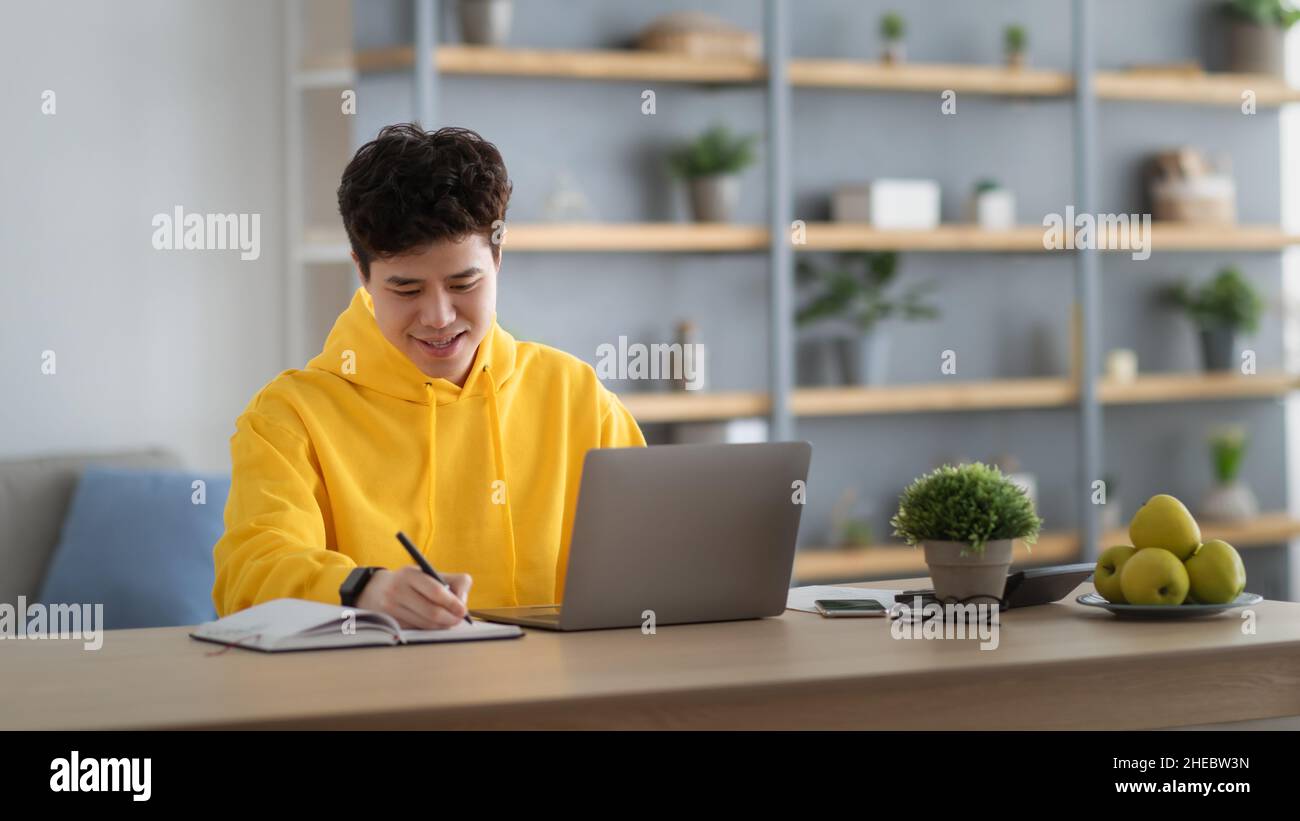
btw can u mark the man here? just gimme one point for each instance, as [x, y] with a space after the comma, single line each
[421, 414]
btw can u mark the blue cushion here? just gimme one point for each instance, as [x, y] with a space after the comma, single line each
[136, 541]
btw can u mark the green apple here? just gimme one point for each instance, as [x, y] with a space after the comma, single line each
[1216, 572]
[1165, 522]
[1106, 577]
[1154, 576]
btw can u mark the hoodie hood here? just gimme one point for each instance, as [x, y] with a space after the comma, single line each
[358, 351]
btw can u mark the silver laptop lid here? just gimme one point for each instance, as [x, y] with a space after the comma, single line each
[690, 532]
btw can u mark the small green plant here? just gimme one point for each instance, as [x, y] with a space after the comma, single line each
[855, 290]
[1015, 39]
[1263, 12]
[971, 503]
[716, 151]
[986, 185]
[892, 27]
[1228, 449]
[1227, 301]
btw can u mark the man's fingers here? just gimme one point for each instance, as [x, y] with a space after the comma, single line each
[460, 584]
[436, 594]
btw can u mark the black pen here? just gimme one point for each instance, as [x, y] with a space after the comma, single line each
[427, 568]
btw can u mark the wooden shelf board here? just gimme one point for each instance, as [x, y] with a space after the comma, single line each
[832, 236]
[896, 560]
[938, 397]
[633, 237]
[593, 64]
[1178, 387]
[931, 77]
[1205, 89]
[687, 406]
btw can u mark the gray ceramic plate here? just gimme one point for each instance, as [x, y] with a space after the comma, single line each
[1165, 611]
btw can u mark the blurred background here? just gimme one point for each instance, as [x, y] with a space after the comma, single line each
[909, 152]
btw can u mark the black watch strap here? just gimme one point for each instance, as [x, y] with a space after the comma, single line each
[352, 586]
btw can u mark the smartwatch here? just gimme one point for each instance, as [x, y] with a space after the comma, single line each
[352, 586]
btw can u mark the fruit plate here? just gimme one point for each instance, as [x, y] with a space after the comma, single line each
[1166, 611]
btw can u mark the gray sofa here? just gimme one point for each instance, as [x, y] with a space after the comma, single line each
[34, 497]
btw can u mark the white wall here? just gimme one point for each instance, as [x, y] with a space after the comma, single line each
[159, 103]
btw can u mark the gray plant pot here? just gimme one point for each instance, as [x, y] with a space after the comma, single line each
[1219, 348]
[864, 358]
[714, 198]
[485, 22]
[959, 578]
[1256, 49]
[1232, 502]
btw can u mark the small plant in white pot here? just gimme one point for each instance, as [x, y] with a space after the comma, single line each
[1231, 499]
[710, 164]
[892, 31]
[1015, 43]
[966, 517]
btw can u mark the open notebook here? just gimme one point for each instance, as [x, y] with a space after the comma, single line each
[297, 624]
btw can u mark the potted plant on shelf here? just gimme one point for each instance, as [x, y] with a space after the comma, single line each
[993, 207]
[1015, 41]
[851, 301]
[485, 22]
[1257, 33]
[1231, 499]
[710, 165]
[1221, 309]
[965, 517]
[892, 30]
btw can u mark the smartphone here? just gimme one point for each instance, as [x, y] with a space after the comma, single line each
[849, 608]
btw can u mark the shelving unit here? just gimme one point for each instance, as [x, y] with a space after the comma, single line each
[819, 565]
[776, 76]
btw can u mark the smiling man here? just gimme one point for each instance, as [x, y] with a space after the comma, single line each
[420, 414]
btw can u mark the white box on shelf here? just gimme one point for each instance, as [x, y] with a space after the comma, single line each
[888, 203]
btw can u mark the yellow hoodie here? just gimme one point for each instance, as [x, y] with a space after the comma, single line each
[329, 462]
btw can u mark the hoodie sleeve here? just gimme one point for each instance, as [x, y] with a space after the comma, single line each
[275, 544]
[617, 427]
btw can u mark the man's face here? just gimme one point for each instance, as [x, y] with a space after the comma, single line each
[436, 305]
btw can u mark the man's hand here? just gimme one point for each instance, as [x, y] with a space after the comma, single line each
[416, 599]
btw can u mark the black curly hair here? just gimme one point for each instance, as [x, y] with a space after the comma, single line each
[408, 188]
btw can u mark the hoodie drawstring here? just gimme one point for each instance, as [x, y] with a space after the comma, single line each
[433, 466]
[498, 454]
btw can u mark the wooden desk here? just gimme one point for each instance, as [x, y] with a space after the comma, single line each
[1057, 666]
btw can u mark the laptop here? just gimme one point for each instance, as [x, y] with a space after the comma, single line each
[678, 534]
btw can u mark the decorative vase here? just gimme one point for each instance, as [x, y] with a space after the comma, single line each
[1015, 60]
[1256, 49]
[974, 578]
[895, 53]
[864, 357]
[714, 197]
[485, 22]
[1231, 502]
[1219, 348]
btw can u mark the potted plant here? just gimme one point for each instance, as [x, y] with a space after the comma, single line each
[852, 300]
[1231, 499]
[485, 22]
[892, 30]
[1015, 41]
[1221, 309]
[965, 517]
[1256, 34]
[710, 164]
[993, 207]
